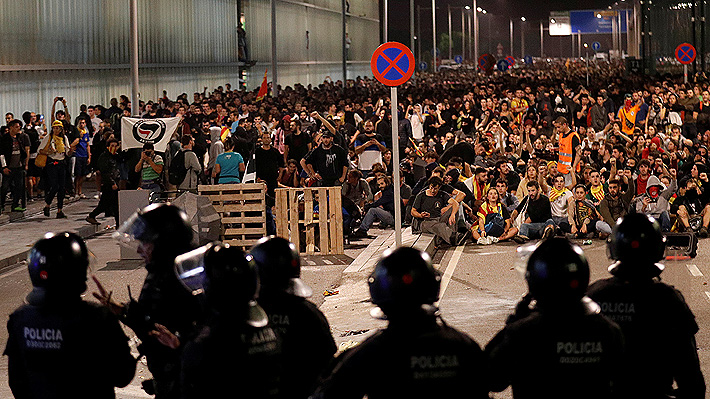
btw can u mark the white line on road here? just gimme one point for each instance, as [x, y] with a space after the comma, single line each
[13, 272]
[492, 253]
[449, 272]
[708, 295]
[694, 271]
[327, 262]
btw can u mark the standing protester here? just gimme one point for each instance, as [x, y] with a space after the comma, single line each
[160, 233]
[150, 166]
[659, 327]
[56, 336]
[110, 178]
[190, 164]
[57, 149]
[229, 165]
[235, 349]
[15, 148]
[82, 155]
[307, 344]
[570, 145]
[418, 355]
[327, 163]
[32, 130]
[564, 347]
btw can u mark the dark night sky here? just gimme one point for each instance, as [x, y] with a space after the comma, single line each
[499, 12]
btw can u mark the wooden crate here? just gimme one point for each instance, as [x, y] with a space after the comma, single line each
[242, 210]
[296, 221]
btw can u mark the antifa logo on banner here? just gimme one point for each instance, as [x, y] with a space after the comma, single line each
[149, 131]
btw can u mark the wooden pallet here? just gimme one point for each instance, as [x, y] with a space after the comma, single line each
[295, 219]
[242, 210]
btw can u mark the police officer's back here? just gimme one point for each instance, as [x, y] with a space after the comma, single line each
[659, 327]
[235, 353]
[307, 344]
[565, 348]
[57, 340]
[159, 233]
[417, 355]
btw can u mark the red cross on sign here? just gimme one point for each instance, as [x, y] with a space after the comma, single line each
[685, 53]
[392, 63]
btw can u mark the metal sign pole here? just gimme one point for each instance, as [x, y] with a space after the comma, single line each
[395, 169]
[685, 73]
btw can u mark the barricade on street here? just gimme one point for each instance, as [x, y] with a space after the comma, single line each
[311, 218]
[242, 210]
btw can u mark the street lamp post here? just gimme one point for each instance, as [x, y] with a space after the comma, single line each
[542, 41]
[522, 37]
[475, 29]
[586, 58]
[386, 19]
[135, 101]
[463, 33]
[433, 33]
[511, 36]
[451, 46]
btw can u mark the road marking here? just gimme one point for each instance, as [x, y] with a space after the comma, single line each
[694, 271]
[327, 262]
[450, 271]
[13, 272]
[310, 262]
[491, 253]
[708, 295]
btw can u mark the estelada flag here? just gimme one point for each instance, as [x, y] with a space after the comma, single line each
[263, 89]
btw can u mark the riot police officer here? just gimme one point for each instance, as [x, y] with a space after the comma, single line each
[57, 339]
[417, 355]
[659, 327]
[564, 348]
[307, 344]
[159, 233]
[235, 351]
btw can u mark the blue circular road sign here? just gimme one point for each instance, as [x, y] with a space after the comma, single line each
[528, 60]
[458, 59]
[423, 66]
[392, 63]
[596, 46]
[502, 65]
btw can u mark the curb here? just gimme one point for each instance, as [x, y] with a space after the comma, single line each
[12, 261]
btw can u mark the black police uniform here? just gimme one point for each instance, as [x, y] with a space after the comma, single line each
[570, 354]
[660, 336]
[162, 300]
[564, 347]
[659, 327]
[416, 359]
[307, 344]
[231, 356]
[72, 350]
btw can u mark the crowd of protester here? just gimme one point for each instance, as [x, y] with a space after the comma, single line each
[525, 154]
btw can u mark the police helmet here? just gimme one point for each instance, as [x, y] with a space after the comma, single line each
[557, 273]
[160, 224]
[403, 280]
[58, 265]
[279, 266]
[226, 276]
[637, 240]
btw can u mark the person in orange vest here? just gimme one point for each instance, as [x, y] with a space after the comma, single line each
[570, 145]
[627, 115]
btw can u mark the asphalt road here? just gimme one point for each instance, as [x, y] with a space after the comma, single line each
[480, 287]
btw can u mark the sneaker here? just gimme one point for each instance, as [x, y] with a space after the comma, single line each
[82, 196]
[61, 215]
[520, 239]
[703, 232]
[492, 240]
[549, 232]
[92, 220]
[359, 233]
[19, 209]
[46, 211]
[482, 241]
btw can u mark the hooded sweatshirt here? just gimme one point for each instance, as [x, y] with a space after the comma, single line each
[659, 204]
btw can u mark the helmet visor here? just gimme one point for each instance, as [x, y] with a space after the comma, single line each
[190, 269]
[130, 231]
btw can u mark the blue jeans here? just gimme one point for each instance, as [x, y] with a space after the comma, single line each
[376, 214]
[534, 230]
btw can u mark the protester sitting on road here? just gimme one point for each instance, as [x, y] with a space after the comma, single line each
[494, 222]
[507, 198]
[536, 215]
[585, 214]
[654, 202]
[434, 211]
[561, 204]
[381, 209]
[357, 189]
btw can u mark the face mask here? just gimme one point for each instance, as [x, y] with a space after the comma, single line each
[628, 103]
[654, 192]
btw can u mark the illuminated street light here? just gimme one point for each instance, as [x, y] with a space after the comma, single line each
[479, 9]
[468, 7]
[523, 19]
[552, 21]
[599, 15]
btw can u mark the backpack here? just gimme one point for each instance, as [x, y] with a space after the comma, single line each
[177, 170]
